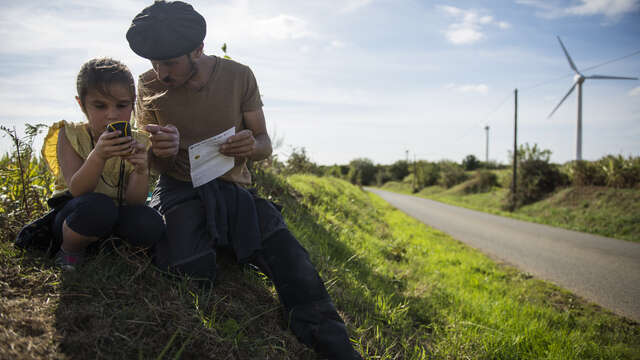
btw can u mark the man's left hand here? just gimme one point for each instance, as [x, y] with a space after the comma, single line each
[242, 144]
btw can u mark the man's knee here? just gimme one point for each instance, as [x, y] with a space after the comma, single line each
[269, 218]
[284, 249]
[143, 226]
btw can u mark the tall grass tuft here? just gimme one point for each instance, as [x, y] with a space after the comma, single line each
[25, 183]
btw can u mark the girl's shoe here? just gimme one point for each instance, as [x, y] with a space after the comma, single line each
[68, 261]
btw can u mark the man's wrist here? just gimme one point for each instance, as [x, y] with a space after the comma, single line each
[161, 164]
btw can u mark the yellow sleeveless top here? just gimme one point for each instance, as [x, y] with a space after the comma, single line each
[78, 136]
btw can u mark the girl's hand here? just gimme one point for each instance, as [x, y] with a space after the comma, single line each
[138, 158]
[110, 144]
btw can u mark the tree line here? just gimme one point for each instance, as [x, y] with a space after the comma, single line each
[537, 176]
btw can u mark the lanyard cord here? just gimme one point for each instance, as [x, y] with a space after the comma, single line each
[120, 183]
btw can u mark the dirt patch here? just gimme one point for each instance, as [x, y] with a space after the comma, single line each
[27, 304]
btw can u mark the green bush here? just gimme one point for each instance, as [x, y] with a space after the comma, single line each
[470, 163]
[299, 163]
[451, 174]
[621, 172]
[483, 181]
[583, 173]
[336, 171]
[383, 175]
[362, 171]
[492, 165]
[536, 176]
[399, 170]
[611, 170]
[428, 173]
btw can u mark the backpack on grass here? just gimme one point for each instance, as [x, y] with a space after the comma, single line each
[39, 233]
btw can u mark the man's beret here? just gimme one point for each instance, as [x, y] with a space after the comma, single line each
[166, 30]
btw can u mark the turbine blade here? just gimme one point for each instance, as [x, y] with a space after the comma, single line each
[573, 66]
[610, 77]
[563, 99]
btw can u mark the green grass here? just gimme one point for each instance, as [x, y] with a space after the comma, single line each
[596, 210]
[439, 295]
[405, 290]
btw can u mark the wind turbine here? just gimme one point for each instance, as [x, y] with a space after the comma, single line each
[578, 79]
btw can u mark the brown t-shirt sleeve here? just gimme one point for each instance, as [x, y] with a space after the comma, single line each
[251, 100]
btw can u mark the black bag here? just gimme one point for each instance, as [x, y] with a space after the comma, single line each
[39, 233]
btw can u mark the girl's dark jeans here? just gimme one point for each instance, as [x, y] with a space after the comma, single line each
[97, 215]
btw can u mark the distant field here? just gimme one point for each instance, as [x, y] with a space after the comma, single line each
[596, 210]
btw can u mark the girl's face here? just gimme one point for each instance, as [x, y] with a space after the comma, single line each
[102, 110]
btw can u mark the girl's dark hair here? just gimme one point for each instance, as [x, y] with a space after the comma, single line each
[100, 74]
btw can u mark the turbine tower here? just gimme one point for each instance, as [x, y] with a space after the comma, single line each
[578, 79]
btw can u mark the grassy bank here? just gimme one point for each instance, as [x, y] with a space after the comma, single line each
[596, 210]
[406, 292]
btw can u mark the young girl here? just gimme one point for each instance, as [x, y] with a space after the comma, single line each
[106, 174]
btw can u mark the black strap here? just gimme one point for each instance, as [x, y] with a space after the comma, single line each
[120, 184]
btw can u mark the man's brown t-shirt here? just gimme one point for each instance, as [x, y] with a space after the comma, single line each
[200, 114]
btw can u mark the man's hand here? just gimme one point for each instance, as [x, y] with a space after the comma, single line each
[242, 144]
[164, 140]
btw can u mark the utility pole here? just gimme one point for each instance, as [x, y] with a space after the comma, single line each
[515, 152]
[415, 174]
[407, 153]
[487, 146]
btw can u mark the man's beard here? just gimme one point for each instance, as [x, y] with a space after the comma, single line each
[193, 70]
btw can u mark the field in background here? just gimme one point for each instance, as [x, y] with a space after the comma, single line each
[593, 209]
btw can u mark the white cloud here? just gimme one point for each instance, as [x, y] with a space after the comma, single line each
[283, 27]
[486, 20]
[635, 91]
[612, 10]
[469, 25]
[608, 8]
[469, 88]
[352, 5]
[451, 10]
[461, 35]
[336, 44]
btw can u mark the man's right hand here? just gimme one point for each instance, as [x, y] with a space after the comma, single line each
[164, 140]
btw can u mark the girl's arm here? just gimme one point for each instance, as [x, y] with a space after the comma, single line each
[138, 184]
[81, 175]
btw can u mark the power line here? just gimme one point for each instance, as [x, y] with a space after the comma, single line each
[483, 119]
[545, 82]
[614, 60]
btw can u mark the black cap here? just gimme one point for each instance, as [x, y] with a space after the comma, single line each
[166, 30]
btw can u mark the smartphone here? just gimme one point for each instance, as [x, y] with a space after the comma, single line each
[123, 126]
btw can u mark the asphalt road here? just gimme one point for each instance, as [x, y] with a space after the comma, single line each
[603, 270]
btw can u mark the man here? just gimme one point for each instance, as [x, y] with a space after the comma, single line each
[188, 97]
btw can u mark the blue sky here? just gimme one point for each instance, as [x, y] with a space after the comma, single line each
[367, 78]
